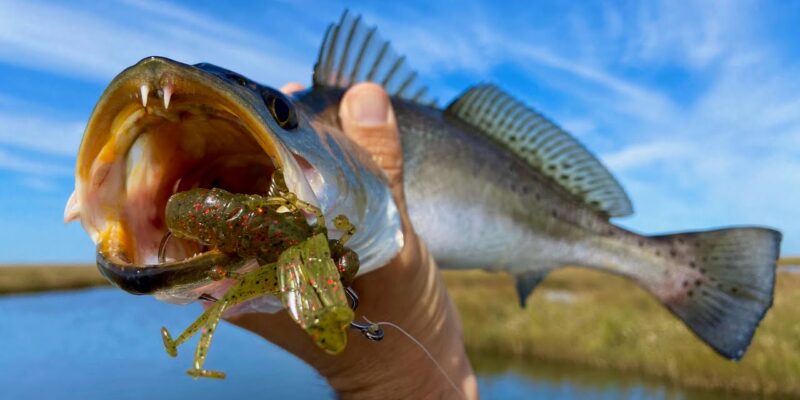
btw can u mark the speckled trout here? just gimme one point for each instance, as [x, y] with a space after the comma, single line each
[490, 183]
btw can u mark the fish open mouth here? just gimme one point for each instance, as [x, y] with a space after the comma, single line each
[163, 127]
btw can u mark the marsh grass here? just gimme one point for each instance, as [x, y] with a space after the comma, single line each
[27, 279]
[597, 319]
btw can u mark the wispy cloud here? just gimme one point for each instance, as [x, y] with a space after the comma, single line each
[41, 134]
[39, 184]
[643, 154]
[694, 34]
[96, 44]
[26, 165]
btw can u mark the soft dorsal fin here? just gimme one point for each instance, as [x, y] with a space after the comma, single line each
[352, 53]
[544, 145]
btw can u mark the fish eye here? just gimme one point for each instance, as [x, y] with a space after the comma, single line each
[281, 111]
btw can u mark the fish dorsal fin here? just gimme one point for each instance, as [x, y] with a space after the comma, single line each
[544, 145]
[351, 53]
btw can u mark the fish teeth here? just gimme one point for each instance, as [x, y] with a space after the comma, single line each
[145, 91]
[167, 95]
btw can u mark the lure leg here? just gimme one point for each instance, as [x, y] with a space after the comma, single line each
[201, 352]
[250, 285]
[343, 224]
[292, 203]
[171, 345]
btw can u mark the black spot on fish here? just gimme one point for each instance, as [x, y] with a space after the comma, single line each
[525, 190]
[692, 265]
[685, 283]
[703, 271]
[641, 243]
[698, 282]
[734, 290]
[673, 253]
[658, 252]
[690, 293]
[555, 214]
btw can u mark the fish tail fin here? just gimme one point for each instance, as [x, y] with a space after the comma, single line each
[728, 286]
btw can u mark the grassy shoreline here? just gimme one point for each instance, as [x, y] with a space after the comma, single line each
[575, 316]
[605, 321]
[34, 278]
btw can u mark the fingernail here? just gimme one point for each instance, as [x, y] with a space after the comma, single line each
[369, 108]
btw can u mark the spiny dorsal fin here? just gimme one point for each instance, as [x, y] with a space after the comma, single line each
[544, 145]
[353, 53]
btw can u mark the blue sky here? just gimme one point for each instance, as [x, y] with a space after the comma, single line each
[694, 106]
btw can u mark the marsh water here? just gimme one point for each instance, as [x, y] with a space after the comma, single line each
[103, 344]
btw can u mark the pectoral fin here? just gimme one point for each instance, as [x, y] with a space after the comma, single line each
[526, 282]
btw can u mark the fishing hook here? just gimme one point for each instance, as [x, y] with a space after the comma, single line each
[370, 331]
[162, 248]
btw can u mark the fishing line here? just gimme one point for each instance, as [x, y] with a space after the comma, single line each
[421, 346]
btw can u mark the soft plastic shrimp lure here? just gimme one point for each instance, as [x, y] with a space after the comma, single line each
[298, 263]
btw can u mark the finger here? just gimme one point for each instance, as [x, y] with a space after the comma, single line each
[292, 87]
[368, 119]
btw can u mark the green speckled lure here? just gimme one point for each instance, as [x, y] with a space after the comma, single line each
[296, 261]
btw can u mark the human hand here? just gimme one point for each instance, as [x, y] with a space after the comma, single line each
[408, 292]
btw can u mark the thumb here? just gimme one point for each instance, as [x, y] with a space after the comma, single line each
[368, 120]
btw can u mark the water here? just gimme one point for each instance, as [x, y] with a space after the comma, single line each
[103, 344]
[535, 379]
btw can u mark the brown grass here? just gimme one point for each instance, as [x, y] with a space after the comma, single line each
[26, 279]
[602, 320]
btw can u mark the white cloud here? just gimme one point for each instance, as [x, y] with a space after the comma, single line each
[97, 46]
[26, 165]
[695, 34]
[470, 40]
[60, 138]
[643, 154]
[39, 184]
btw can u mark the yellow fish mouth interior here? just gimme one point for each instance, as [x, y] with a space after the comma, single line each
[160, 128]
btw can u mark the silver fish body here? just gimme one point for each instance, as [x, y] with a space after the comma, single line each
[491, 183]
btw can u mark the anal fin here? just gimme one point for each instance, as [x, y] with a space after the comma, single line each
[526, 282]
